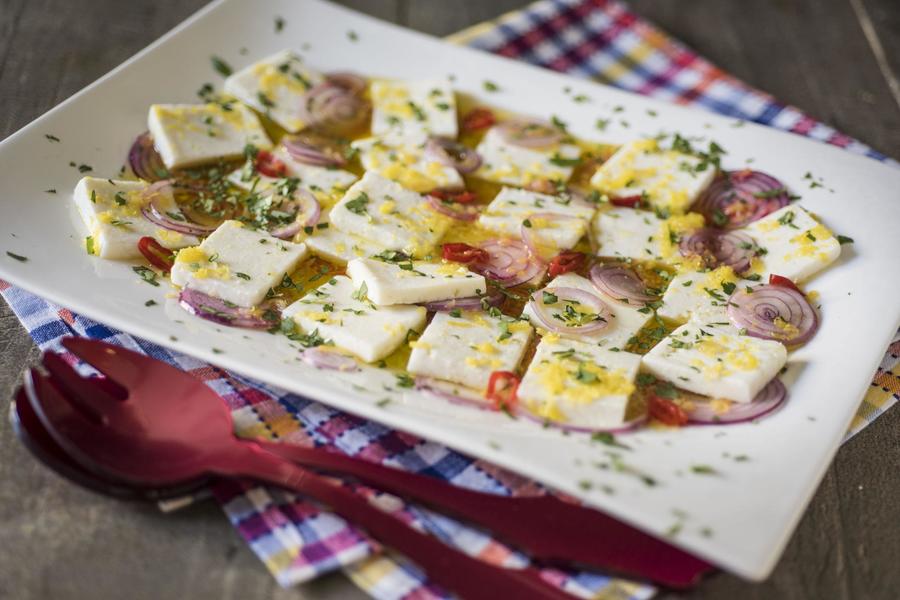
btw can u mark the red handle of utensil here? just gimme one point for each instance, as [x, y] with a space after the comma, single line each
[468, 577]
[545, 527]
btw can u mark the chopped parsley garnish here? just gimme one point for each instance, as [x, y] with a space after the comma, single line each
[405, 381]
[352, 36]
[788, 219]
[581, 98]
[89, 244]
[527, 223]
[50, 191]
[770, 193]
[265, 100]
[455, 313]
[560, 161]
[549, 298]
[505, 333]
[728, 287]
[50, 137]
[559, 124]
[604, 437]
[150, 303]
[147, 274]
[601, 124]
[490, 86]
[582, 375]
[843, 239]
[120, 198]
[222, 67]
[17, 257]
[279, 24]
[360, 294]
[358, 204]
[416, 109]
[703, 470]
[242, 276]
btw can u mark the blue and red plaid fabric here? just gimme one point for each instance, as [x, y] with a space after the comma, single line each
[598, 39]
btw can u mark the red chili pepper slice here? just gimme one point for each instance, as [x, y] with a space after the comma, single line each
[502, 388]
[462, 197]
[156, 254]
[627, 201]
[270, 165]
[565, 262]
[784, 282]
[463, 253]
[478, 118]
[666, 412]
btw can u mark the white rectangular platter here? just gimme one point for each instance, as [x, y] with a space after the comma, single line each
[740, 518]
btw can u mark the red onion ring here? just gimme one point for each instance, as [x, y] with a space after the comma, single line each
[527, 233]
[452, 153]
[623, 428]
[737, 198]
[582, 297]
[767, 400]
[716, 247]
[426, 384]
[218, 311]
[757, 311]
[529, 134]
[331, 106]
[145, 161]
[509, 262]
[620, 283]
[306, 215]
[153, 214]
[467, 303]
[316, 149]
[333, 361]
[454, 210]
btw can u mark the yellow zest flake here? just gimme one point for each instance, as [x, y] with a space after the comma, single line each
[408, 178]
[191, 254]
[420, 345]
[435, 170]
[213, 272]
[493, 363]
[387, 207]
[486, 348]
[550, 338]
[715, 278]
[340, 247]
[770, 225]
[720, 406]
[547, 410]
[675, 227]
[106, 217]
[169, 237]
[812, 295]
[808, 241]
[786, 330]
[318, 316]
[558, 378]
[523, 327]
[452, 268]
[710, 347]
[460, 324]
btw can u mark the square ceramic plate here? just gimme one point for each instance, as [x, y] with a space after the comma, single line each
[739, 518]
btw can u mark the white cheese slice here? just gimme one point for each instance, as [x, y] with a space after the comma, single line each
[516, 165]
[699, 295]
[796, 245]
[190, 134]
[414, 107]
[511, 207]
[468, 348]
[339, 247]
[716, 362]
[402, 159]
[339, 313]
[579, 383]
[621, 232]
[275, 86]
[237, 264]
[389, 215]
[323, 182]
[414, 282]
[669, 179]
[626, 321]
[111, 210]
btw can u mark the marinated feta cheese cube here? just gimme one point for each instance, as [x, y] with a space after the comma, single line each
[190, 134]
[628, 233]
[324, 182]
[556, 221]
[414, 282]
[276, 86]
[508, 163]
[796, 245]
[336, 246]
[389, 215]
[237, 264]
[466, 349]
[111, 210]
[339, 312]
[413, 107]
[624, 323]
[669, 180]
[702, 295]
[716, 362]
[403, 159]
[578, 383]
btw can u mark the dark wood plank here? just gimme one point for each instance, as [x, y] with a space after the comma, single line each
[71, 544]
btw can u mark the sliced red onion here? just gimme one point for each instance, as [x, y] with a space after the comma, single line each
[145, 161]
[509, 262]
[351, 82]
[333, 361]
[623, 428]
[529, 134]
[452, 153]
[153, 214]
[527, 231]
[332, 106]
[717, 248]
[316, 149]
[756, 312]
[454, 210]
[555, 325]
[434, 387]
[767, 400]
[468, 303]
[308, 211]
[737, 198]
[218, 311]
[621, 283]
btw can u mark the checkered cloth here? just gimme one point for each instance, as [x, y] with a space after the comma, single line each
[297, 541]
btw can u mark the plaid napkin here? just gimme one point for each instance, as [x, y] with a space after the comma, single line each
[295, 539]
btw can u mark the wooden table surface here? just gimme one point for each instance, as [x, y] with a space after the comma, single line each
[837, 59]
